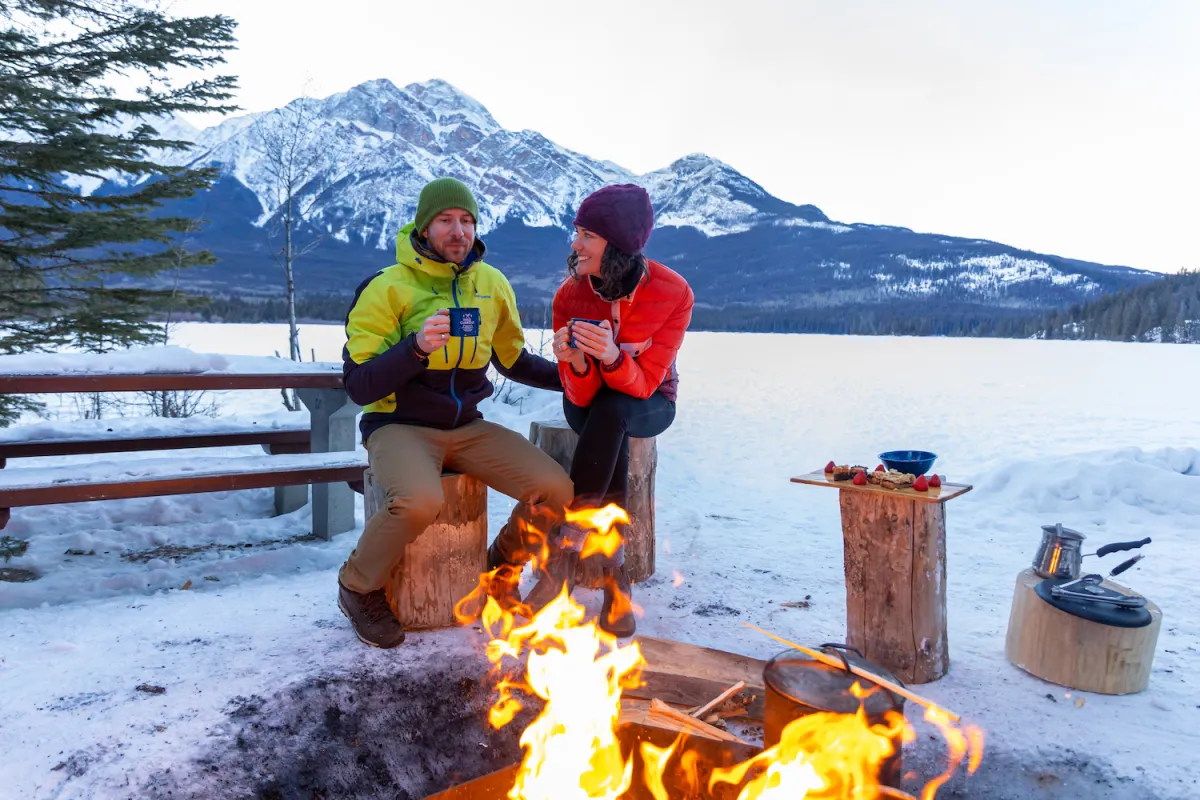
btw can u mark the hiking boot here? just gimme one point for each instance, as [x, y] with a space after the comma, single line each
[616, 615]
[558, 570]
[371, 617]
[505, 586]
[496, 559]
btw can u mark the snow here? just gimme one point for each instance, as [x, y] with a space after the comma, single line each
[1099, 436]
[193, 466]
[148, 360]
[800, 222]
[145, 427]
[980, 273]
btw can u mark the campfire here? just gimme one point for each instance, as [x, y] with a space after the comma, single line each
[581, 745]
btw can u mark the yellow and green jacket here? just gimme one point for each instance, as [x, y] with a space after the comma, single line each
[384, 373]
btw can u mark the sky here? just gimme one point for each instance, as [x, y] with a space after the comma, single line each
[1067, 127]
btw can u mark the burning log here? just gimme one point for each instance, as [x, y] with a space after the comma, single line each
[558, 441]
[444, 563]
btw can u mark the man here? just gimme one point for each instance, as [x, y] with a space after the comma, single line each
[419, 379]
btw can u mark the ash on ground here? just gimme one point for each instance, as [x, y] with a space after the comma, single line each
[362, 736]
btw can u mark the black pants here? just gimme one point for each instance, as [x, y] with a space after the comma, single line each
[600, 468]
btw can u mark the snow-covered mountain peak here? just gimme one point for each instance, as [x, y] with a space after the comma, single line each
[447, 101]
[703, 192]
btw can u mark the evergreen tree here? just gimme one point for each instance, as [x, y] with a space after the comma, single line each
[75, 268]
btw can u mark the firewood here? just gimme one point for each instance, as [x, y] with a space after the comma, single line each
[716, 701]
[661, 709]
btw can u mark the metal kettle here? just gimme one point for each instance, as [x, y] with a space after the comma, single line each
[1060, 554]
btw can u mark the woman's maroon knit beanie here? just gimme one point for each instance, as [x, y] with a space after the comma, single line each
[622, 214]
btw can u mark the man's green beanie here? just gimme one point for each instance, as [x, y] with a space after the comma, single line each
[440, 194]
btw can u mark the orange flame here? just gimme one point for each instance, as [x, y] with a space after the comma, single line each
[656, 758]
[601, 527]
[822, 755]
[484, 600]
[571, 749]
[966, 743]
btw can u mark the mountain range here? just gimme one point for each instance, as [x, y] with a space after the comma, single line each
[734, 242]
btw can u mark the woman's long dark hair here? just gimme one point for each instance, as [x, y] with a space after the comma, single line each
[619, 272]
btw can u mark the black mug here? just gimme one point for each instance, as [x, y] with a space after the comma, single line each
[571, 327]
[464, 322]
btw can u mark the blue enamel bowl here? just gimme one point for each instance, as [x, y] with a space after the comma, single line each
[914, 462]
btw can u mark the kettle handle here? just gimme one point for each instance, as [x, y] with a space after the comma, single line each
[1117, 547]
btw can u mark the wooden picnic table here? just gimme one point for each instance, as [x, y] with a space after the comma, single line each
[318, 385]
[894, 542]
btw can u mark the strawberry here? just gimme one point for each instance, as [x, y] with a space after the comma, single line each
[880, 468]
[860, 478]
[829, 467]
[935, 481]
[921, 485]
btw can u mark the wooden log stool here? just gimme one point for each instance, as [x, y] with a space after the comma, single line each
[559, 441]
[894, 543]
[443, 564]
[1084, 654]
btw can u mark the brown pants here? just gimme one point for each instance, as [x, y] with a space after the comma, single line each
[408, 460]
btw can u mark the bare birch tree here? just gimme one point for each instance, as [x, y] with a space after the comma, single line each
[303, 155]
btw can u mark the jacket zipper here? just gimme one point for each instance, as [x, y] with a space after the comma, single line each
[454, 370]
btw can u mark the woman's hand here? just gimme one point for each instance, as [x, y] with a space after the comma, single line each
[597, 341]
[564, 352]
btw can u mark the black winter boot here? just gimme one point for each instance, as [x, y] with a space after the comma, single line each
[506, 577]
[559, 570]
[616, 615]
[495, 557]
[371, 617]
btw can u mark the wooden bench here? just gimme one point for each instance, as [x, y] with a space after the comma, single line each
[331, 430]
[169, 476]
[95, 438]
[275, 441]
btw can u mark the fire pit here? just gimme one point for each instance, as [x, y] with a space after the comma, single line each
[832, 732]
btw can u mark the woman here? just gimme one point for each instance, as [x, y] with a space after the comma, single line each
[619, 375]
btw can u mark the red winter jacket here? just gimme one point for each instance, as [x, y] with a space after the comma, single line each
[649, 326]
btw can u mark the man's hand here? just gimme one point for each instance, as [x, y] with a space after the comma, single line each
[597, 341]
[435, 332]
[564, 352]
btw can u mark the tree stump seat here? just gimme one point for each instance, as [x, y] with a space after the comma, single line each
[558, 440]
[443, 564]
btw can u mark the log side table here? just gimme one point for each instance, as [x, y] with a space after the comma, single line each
[895, 561]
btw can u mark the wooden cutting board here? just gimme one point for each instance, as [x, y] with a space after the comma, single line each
[939, 494]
